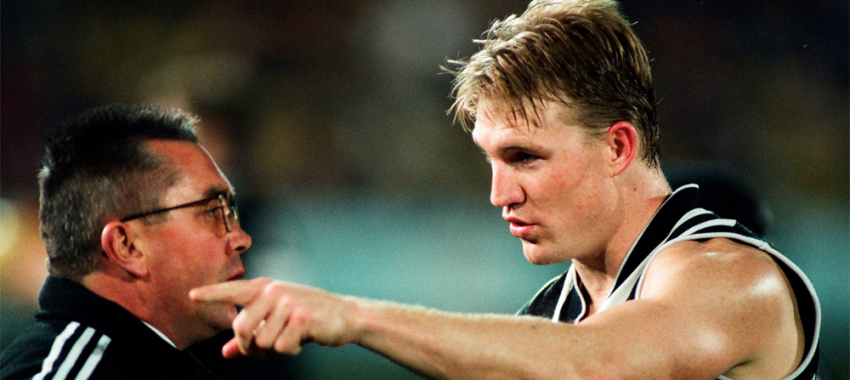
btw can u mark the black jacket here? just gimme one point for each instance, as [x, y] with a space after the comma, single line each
[79, 333]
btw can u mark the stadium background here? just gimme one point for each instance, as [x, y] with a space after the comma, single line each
[329, 116]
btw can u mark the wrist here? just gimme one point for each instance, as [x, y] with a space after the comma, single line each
[358, 314]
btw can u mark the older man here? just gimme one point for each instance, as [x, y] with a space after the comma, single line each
[134, 213]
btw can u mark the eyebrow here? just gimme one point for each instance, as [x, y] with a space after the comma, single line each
[216, 190]
[518, 144]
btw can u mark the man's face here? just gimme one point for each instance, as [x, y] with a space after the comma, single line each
[192, 247]
[551, 180]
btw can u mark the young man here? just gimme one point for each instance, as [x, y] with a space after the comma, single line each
[134, 213]
[564, 108]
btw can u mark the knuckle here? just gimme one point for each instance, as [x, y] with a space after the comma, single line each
[242, 335]
[273, 289]
[286, 346]
[263, 341]
[280, 345]
[239, 325]
[301, 316]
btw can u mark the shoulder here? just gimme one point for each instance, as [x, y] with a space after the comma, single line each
[721, 270]
[721, 262]
[24, 357]
[738, 292]
[54, 347]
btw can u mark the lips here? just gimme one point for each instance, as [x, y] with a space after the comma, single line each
[237, 275]
[519, 227]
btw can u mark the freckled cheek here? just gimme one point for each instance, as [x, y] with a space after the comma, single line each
[561, 180]
[569, 188]
[561, 190]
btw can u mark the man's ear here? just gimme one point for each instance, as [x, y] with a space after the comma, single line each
[120, 247]
[623, 143]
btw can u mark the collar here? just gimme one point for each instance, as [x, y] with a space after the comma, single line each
[161, 335]
[71, 300]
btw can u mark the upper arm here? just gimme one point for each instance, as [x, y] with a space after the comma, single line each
[714, 308]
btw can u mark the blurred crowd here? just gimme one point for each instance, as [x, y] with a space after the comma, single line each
[330, 118]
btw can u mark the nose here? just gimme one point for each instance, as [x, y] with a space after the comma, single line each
[239, 240]
[504, 188]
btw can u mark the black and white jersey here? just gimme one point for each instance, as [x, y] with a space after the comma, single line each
[676, 221]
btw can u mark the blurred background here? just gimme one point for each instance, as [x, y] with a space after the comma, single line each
[329, 116]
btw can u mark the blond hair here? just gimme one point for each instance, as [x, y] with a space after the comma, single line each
[582, 53]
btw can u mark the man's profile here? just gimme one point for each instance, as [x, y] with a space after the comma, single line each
[134, 213]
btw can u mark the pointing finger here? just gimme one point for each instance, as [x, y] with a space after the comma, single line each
[239, 292]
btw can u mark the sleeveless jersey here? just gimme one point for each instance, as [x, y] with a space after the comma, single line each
[676, 221]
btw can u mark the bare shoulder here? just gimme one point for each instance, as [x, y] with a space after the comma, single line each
[719, 258]
[721, 270]
[739, 290]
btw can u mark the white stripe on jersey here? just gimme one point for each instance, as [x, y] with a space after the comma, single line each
[72, 357]
[94, 358]
[55, 350]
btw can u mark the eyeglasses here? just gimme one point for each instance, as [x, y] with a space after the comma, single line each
[226, 204]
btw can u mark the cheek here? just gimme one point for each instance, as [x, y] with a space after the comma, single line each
[189, 264]
[561, 180]
[563, 192]
[577, 189]
[566, 180]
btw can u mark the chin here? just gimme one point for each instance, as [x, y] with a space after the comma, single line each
[534, 255]
[539, 260]
[538, 255]
[220, 316]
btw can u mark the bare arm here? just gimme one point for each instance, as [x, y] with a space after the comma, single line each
[684, 326]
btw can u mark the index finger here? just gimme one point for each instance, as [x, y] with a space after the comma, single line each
[237, 292]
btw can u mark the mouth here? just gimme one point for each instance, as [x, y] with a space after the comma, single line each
[237, 275]
[519, 228]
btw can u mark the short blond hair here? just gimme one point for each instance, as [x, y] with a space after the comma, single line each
[580, 52]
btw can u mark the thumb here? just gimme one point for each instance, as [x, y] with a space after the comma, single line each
[231, 350]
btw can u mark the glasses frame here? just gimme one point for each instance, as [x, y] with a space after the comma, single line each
[227, 204]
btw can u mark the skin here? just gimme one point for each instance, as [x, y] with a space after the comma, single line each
[705, 309]
[149, 268]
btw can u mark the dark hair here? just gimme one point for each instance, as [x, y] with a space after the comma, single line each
[96, 167]
[581, 53]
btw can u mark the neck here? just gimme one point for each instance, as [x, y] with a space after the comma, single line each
[131, 294]
[641, 192]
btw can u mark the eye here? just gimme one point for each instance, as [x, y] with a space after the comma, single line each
[523, 157]
[212, 209]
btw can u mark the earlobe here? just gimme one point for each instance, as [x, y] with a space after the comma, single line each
[622, 139]
[120, 247]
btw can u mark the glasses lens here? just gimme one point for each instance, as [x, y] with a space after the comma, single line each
[228, 207]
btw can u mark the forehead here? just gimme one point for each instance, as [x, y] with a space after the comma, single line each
[500, 119]
[199, 175]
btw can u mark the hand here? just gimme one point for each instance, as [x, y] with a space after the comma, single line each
[280, 316]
